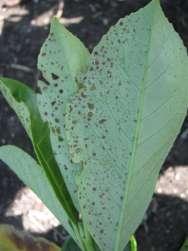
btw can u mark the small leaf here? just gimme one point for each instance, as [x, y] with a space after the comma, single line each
[23, 100]
[61, 59]
[34, 176]
[19, 98]
[14, 240]
[121, 125]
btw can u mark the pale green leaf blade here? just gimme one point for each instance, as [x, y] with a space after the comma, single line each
[34, 176]
[123, 122]
[23, 101]
[62, 58]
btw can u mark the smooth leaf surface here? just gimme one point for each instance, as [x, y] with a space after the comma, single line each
[14, 240]
[23, 101]
[34, 176]
[122, 123]
[61, 59]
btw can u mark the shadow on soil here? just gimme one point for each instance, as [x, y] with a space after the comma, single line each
[166, 225]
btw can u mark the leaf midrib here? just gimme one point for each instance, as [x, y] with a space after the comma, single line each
[137, 133]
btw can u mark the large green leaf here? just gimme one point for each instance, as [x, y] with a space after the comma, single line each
[23, 100]
[122, 123]
[34, 176]
[61, 59]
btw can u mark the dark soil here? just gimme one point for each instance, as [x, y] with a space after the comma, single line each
[25, 25]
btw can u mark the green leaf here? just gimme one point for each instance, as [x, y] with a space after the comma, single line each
[70, 245]
[122, 123]
[185, 246]
[23, 100]
[61, 59]
[34, 176]
[17, 95]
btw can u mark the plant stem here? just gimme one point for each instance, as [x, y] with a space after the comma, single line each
[133, 243]
[87, 240]
[90, 246]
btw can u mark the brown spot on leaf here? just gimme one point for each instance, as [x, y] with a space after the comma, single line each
[80, 85]
[90, 106]
[102, 121]
[42, 78]
[60, 138]
[54, 76]
[93, 87]
[90, 114]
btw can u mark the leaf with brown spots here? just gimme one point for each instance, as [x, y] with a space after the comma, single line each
[14, 240]
[63, 57]
[139, 89]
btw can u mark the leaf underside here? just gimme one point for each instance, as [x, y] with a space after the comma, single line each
[122, 123]
[61, 59]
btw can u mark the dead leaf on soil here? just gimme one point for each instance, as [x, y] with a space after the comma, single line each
[14, 240]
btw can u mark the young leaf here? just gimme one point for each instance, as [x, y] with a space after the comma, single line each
[17, 96]
[62, 58]
[34, 176]
[124, 120]
[23, 100]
